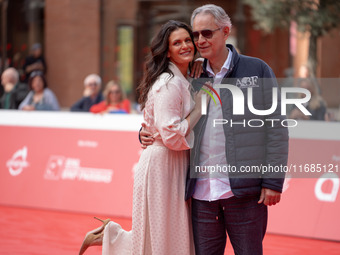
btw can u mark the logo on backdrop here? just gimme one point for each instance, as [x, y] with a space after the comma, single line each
[18, 162]
[331, 195]
[63, 168]
[54, 167]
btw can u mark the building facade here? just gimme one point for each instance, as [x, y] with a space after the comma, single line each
[111, 38]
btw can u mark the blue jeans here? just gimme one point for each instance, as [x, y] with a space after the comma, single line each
[244, 220]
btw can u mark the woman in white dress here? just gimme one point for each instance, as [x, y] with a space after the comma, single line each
[161, 223]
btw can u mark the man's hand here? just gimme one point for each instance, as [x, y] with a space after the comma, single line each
[298, 115]
[34, 66]
[197, 68]
[269, 197]
[87, 92]
[8, 87]
[145, 137]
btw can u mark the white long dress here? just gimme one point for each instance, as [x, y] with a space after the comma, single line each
[161, 222]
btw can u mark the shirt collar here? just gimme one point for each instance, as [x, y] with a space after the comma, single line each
[225, 67]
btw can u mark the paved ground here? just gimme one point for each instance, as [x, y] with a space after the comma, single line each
[32, 231]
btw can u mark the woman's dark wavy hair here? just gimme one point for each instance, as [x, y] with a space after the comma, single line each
[35, 74]
[157, 61]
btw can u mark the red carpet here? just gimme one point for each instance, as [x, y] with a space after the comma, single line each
[32, 231]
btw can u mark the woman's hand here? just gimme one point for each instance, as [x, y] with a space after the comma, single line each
[28, 108]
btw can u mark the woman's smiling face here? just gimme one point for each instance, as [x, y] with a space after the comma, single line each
[181, 48]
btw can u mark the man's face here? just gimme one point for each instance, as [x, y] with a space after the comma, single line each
[210, 48]
[5, 78]
[93, 87]
[37, 52]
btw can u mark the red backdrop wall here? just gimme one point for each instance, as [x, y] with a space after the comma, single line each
[84, 163]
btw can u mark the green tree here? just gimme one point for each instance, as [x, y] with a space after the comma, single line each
[317, 17]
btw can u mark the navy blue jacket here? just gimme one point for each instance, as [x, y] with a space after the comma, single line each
[246, 146]
[85, 103]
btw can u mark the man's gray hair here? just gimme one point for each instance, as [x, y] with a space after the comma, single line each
[93, 77]
[221, 17]
[13, 74]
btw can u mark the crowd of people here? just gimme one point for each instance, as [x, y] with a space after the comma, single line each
[30, 92]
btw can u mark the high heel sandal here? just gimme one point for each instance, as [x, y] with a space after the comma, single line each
[94, 237]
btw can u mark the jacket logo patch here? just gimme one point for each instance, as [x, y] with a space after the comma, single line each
[247, 82]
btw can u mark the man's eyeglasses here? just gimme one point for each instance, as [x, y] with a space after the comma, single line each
[207, 33]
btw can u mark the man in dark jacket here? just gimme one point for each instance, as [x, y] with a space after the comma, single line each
[34, 62]
[233, 146]
[230, 181]
[234, 200]
[91, 95]
[14, 91]
[2, 91]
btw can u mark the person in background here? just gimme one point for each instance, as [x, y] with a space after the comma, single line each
[34, 62]
[91, 94]
[316, 105]
[306, 72]
[115, 100]
[14, 91]
[2, 91]
[40, 97]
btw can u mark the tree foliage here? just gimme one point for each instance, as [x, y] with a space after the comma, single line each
[315, 16]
